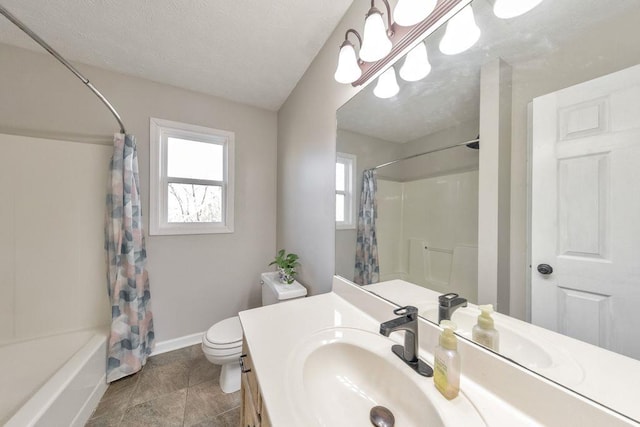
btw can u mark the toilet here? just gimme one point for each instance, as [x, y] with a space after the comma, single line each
[222, 343]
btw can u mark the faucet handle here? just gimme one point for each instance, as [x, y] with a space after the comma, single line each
[446, 299]
[405, 311]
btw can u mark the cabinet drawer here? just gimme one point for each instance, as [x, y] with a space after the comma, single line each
[249, 375]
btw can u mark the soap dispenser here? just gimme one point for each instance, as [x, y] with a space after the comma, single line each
[484, 333]
[446, 372]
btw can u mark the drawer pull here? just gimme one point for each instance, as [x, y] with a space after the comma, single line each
[242, 368]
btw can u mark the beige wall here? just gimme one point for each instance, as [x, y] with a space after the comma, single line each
[195, 280]
[369, 152]
[306, 162]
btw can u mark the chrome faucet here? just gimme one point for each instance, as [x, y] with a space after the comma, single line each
[407, 322]
[448, 303]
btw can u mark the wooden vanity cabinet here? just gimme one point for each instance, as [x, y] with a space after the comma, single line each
[252, 410]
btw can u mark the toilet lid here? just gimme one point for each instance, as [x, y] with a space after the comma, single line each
[226, 331]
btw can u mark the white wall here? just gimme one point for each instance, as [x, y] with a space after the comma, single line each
[52, 264]
[494, 185]
[195, 280]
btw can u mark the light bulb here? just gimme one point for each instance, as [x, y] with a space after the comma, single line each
[387, 84]
[410, 12]
[461, 33]
[375, 42]
[506, 9]
[348, 70]
[416, 65]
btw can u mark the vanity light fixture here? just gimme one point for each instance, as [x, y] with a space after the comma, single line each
[382, 42]
[387, 86]
[375, 39]
[348, 69]
[410, 12]
[462, 32]
[416, 65]
[506, 9]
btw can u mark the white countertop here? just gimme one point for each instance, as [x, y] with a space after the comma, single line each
[602, 375]
[504, 394]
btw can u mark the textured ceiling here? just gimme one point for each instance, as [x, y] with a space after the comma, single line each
[451, 93]
[249, 51]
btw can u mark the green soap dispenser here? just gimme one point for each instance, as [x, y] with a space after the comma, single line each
[484, 332]
[446, 366]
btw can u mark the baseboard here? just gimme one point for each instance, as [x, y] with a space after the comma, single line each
[91, 403]
[177, 343]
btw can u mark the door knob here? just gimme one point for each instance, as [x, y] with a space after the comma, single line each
[545, 269]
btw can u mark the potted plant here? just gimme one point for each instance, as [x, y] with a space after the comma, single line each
[287, 264]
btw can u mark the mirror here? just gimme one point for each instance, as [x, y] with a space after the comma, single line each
[427, 224]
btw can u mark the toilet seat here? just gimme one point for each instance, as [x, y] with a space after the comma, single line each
[225, 336]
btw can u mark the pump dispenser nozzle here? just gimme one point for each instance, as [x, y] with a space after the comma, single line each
[485, 320]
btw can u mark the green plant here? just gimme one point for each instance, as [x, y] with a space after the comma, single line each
[287, 264]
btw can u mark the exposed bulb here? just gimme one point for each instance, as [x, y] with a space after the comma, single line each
[506, 9]
[410, 12]
[387, 84]
[348, 70]
[462, 32]
[375, 41]
[416, 65]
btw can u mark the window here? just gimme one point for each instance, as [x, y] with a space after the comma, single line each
[191, 179]
[345, 185]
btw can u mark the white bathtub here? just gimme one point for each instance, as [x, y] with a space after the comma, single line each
[52, 381]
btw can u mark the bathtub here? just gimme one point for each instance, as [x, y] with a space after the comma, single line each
[53, 381]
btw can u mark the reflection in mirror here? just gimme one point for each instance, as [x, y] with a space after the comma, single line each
[427, 225]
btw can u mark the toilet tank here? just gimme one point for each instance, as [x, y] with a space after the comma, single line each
[273, 291]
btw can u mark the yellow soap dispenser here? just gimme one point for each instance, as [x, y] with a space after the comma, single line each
[446, 366]
[484, 332]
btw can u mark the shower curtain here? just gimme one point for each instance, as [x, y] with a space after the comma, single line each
[132, 338]
[367, 267]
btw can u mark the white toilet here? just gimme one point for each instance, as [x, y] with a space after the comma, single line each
[222, 343]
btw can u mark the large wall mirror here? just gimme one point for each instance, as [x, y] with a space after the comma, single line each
[573, 76]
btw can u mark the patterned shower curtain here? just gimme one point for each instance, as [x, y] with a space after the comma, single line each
[367, 267]
[131, 339]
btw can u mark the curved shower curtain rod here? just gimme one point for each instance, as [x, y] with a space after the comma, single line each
[64, 62]
[473, 144]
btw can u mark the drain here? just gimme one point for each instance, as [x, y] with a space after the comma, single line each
[381, 417]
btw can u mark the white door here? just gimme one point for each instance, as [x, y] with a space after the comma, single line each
[585, 218]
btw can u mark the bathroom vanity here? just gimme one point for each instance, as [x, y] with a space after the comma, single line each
[322, 361]
[253, 412]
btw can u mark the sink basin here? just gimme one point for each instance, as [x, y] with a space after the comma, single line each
[520, 343]
[337, 375]
[512, 344]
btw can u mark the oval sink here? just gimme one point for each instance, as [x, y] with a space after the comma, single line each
[512, 344]
[339, 374]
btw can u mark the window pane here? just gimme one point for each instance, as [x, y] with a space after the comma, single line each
[340, 207]
[340, 169]
[193, 159]
[194, 203]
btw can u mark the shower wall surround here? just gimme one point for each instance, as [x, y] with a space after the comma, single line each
[52, 266]
[427, 229]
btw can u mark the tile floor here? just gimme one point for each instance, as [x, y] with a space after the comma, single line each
[179, 388]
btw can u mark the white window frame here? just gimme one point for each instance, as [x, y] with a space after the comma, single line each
[160, 131]
[349, 160]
